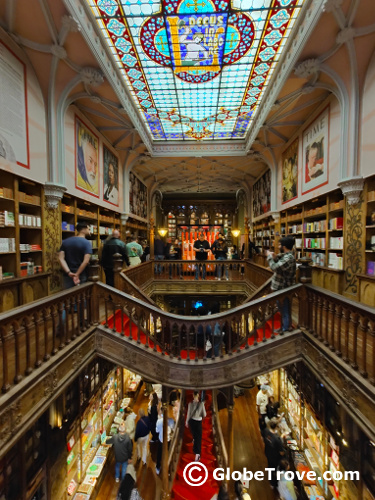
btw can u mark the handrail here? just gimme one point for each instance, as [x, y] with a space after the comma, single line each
[261, 291]
[135, 290]
[176, 441]
[222, 454]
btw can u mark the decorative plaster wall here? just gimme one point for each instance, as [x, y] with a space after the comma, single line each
[367, 146]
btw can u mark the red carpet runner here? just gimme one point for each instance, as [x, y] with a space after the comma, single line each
[181, 490]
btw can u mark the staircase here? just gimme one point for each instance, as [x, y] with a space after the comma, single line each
[181, 490]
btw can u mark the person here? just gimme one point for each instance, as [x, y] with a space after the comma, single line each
[285, 487]
[130, 422]
[127, 487]
[159, 430]
[146, 251]
[284, 267]
[174, 253]
[201, 248]
[74, 255]
[142, 432]
[273, 449]
[252, 249]
[220, 249]
[272, 408]
[113, 245]
[314, 165]
[262, 402]
[123, 447]
[239, 491]
[110, 189]
[195, 415]
[159, 253]
[135, 251]
[153, 415]
[87, 162]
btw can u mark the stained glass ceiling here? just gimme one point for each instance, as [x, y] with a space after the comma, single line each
[196, 69]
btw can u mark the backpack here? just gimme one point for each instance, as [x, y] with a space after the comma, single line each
[135, 495]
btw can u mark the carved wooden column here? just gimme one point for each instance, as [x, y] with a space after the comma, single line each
[94, 277]
[152, 237]
[246, 250]
[164, 459]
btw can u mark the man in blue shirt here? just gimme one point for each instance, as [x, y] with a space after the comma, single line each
[74, 255]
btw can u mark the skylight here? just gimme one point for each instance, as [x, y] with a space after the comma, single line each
[197, 70]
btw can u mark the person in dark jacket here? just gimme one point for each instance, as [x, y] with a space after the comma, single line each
[142, 430]
[153, 414]
[123, 447]
[127, 485]
[111, 246]
[159, 253]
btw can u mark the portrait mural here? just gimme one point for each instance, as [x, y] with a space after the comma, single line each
[137, 197]
[110, 177]
[262, 195]
[87, 155]
[315, 151]
[289, 180]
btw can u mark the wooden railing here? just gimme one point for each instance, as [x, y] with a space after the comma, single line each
[185, 337]
[31, 334]
[347, 328]
[219, 441]
[176, 441]
[186, 270]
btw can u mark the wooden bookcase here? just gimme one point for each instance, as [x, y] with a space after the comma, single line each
[21, 241]
[102, 221]
[317, 227]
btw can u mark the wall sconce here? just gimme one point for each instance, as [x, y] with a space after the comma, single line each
[162, 231]
[236, 232]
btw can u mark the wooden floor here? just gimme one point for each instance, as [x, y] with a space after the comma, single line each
[248, 443]
[248, 452]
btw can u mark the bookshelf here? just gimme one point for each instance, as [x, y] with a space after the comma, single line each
[370, 228]
[102, 221]
[22, 276]
[317, 227]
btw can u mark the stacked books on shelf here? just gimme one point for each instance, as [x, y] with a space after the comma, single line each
[316, 226]
[67, 208]
[336, 223]
[335, 261]
[29, 198]
[314, 243]
[6, 192]
[87, 213]
[67, 227]
[336, 242]
[105, 230]
[7, 245]
[26, 247]
[295, 228]
[6, 218]
[30, 220]
[318, 258]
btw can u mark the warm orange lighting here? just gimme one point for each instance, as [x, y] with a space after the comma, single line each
[162, 231]
[236, 232]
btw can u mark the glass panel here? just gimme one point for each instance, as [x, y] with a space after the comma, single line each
[196, 69]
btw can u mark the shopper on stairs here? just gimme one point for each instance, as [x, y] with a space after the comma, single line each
[195, 415]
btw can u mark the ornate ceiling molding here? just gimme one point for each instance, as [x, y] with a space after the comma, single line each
[352, 189]
[197, 149]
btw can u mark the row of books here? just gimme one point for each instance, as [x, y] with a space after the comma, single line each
[6, 192]
[30, 220]
[336, 242]
[318, 259]
[7, 245]
[318, 225]
[314, 243]
[29, 198]
[336, 223]
[335, 261]
[6, 218]
[26, 247]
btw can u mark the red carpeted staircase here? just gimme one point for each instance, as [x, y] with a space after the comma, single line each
[264, 332]
[181, 490]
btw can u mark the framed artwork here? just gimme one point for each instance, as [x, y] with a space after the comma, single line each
[315, 153]
[110, 177]
[137, 197]
[87, 155]
[289, 181]
[14, 129]
[262, 195]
